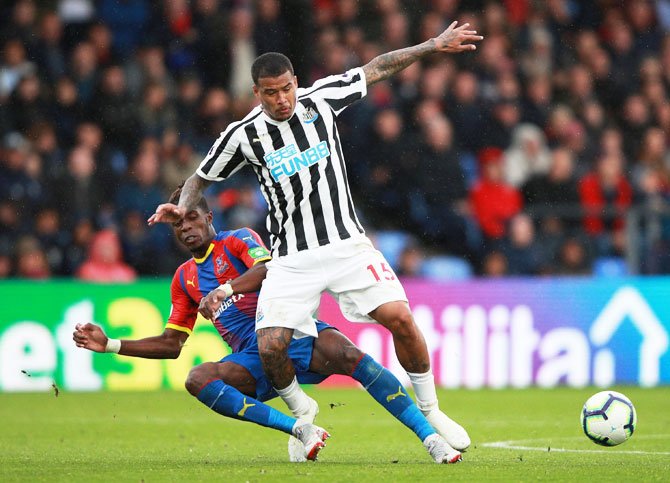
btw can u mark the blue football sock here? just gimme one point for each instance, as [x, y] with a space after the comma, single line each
[228, 401]
[388, 391]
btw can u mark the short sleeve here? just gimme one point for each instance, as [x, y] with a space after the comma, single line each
[248, 246]
[184, 311]
[224, 157]
[339, 91]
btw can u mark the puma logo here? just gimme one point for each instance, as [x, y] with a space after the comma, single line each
[191, 282]
[245, 407]
[391, 397]
[256, 140]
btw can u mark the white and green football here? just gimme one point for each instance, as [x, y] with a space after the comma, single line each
[608, 418]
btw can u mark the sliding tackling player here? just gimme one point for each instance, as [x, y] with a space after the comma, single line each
[222, 282]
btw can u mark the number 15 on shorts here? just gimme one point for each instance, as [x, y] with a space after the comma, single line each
[382, 269]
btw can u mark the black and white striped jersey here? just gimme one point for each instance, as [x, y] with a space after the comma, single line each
[298, 163]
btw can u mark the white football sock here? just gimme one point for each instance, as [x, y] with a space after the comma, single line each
[294, 397]
[424, 388]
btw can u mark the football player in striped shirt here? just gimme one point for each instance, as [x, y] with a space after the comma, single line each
[291, 143]
[222, 282]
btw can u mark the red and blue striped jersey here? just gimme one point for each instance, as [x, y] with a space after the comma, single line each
[230, 254]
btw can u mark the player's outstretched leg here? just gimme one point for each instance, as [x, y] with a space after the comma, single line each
[412, 353]
[228, 401]
[387, 390]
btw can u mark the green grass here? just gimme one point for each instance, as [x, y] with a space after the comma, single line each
[170, 436]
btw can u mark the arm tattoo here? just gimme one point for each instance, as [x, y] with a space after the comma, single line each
[385, 65]
[192, 191]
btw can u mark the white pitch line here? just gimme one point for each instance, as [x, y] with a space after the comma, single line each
[515, 446]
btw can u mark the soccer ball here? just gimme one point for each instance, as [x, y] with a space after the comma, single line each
[608, 418]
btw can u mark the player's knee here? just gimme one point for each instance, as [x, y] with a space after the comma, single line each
[401, 324]
[199, 376]
[351, 355]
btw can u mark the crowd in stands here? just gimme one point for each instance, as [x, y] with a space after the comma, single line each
[526, 157]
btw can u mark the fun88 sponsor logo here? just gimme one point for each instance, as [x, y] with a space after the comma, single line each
[287, 161]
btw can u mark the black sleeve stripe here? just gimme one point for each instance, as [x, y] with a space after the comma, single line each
[235, 160]
[339, 104]
[338, 83]
[222, 145]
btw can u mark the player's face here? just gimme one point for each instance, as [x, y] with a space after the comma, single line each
[193, 231]
[277, 95]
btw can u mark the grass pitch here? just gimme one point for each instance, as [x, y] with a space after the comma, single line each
[518, 435]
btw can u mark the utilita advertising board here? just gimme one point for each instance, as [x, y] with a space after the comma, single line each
[509, 333]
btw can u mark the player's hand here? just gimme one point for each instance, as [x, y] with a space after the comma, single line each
[211, 303]
[167, 213]
[90, 336]
[456, 39]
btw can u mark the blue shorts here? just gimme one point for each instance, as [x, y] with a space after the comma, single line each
[300, 352]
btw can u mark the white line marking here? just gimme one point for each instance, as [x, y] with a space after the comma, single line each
[518, 445]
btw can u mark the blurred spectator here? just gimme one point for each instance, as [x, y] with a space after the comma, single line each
[105, 261]
[115, 110]
[76, 250]
[141, 191]
[494, 203]
[410, 261]
[467, 111]
[547, 193]
[84, 71]
[605, 194]
[181, 164]
[78, 192]
[13, 68]
[49, 50]
[127, 20]
[439, 197]
[31, 261]
[494, 265]
[527, 156]
[573, 259]
[53, 239]
[524, 255]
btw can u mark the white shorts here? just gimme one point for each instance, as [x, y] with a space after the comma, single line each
[352, 271]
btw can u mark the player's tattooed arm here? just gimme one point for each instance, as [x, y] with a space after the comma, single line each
[454, 39]
[192, 191]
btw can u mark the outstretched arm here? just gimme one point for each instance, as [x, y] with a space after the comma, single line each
[165, 346]
[454, 39]
[191, 193]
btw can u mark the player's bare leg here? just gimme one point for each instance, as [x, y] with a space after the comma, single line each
[412, 353]
[273, 344]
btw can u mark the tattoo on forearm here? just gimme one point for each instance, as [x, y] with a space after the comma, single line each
[192, 191]
[385, 65]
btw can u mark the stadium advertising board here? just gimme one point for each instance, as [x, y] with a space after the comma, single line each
[512, 333]
[36, 347]
[523, 332]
